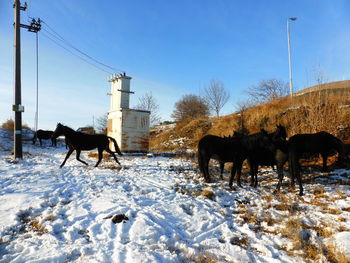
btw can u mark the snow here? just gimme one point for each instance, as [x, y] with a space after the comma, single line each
[48, 214]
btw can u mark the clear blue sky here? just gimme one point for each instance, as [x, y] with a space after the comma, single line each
[171, 48]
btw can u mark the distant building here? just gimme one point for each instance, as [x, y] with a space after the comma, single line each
[87, 129]
[129, 127]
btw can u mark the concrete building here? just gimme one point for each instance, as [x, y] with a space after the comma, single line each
[129, 127]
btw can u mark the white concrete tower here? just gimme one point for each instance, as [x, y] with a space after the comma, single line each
[129, 127]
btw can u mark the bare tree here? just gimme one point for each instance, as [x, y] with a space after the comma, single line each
[242, 107]
[216, 96]
[268, 90]
[320, 75]
[190, 107]
[101, 124]
[148, 102]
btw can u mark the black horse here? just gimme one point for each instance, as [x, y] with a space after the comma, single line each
[306, 145]
[261, 149]
[81, 141]
[44, 135]
[218, 148]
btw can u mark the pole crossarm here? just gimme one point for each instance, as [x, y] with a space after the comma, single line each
[35, 26]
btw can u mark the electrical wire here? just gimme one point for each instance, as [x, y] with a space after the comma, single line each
[74, 54]
[62, 39]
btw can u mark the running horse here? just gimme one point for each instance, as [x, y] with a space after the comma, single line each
[82, 142]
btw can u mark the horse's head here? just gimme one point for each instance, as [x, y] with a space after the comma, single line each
[58, 131]
[263, 131]
[280, 133]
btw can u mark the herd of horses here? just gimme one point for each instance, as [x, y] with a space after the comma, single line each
[259, 149]
[267, 149]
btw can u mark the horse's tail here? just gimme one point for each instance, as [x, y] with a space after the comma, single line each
[203, 167]
[341, 148]
[200, 161]
[116, 147]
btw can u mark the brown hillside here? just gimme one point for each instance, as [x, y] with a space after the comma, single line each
[318, 108]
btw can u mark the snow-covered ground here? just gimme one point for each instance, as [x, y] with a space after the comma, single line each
[48, 214]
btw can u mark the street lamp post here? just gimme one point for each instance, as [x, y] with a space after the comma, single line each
[289, 56]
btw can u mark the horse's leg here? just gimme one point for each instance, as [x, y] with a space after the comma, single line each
[78, 157]
[324, 159]
[112, 153]
[206, 170]
[251, 172]
[232, 174]
[203, 163]
[67, 156]
[280, 175]
[100, 151]
[292, 165]
[298, 176]
[238, 173]
[256, 168]
[40, 141]
[222, 166]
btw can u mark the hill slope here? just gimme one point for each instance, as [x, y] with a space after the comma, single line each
[318, 108]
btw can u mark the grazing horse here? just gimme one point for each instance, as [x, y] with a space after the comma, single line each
[81, 141]
[302, 145]
[40, 134]
[218, 148]
[262, 149]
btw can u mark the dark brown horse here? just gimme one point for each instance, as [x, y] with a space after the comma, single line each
[217, 148]
[81, 142]
[305, 145]
[44, 135]
[261, 148]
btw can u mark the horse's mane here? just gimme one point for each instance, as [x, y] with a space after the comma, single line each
[66, 128]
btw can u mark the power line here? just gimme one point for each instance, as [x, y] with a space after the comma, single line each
[74, 54]
[62, 39]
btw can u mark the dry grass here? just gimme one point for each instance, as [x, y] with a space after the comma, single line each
[37, 227]
[50, 218]
[105, 156]
[334, 254]
[206, 258]
[342, 219]
[249, 217]
[319, 192]
[332, 211]
[342, 229]
[241, 241]
[10, 124]
[270, 221]
[346, 209]
[322, 231]
[208, 194]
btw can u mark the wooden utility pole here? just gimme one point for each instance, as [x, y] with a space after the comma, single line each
[17, 107]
